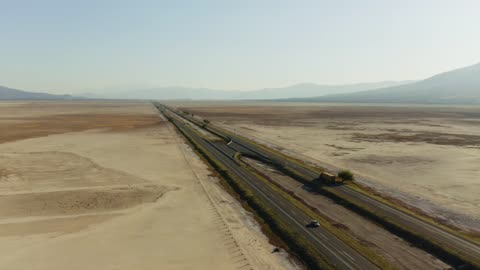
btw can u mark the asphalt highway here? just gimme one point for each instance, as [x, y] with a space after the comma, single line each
[467, 250]
[336, 252]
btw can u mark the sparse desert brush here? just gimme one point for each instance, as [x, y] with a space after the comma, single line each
[346, 175]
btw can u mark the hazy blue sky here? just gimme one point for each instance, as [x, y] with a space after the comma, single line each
[72, 46]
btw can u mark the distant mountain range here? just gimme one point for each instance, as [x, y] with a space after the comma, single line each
[297, 91]
[15, 94]
[460, 86]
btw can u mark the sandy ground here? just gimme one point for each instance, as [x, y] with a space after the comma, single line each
[426, 155]
[108, 185]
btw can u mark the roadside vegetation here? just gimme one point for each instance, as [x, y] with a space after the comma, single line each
[296, 244]
[346, 175]
[381, 262]
[454, 257]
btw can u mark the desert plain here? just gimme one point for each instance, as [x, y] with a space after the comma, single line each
[424, 155]
[111, 185]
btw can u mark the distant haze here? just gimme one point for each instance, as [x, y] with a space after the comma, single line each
[298, 90]
[15, 94]
[457, 86]
[74, 47]
[460, 86]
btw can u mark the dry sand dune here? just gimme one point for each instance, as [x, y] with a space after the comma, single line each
[105, 185]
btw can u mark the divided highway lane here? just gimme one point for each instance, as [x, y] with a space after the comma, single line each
[337, 252]
[469, 251]
[334, 250]
[447, 240]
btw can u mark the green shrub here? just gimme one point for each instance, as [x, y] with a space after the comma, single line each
[346, 175]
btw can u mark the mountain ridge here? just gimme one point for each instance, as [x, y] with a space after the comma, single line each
[7, 93]
[296, 90]
[460, 86]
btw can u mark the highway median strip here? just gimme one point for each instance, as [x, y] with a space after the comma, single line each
[307, 252]
[379, 261]
[414, 212]
[453, 256]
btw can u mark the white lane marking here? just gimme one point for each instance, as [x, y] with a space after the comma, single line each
[346, 254]
[308, 232]
[334, 254]
[406, 216]
[323, 237]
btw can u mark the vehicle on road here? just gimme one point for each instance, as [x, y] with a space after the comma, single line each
[313, 224]
[330, 178]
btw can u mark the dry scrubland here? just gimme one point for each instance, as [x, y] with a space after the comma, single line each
[109, 185]
[426, 155]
